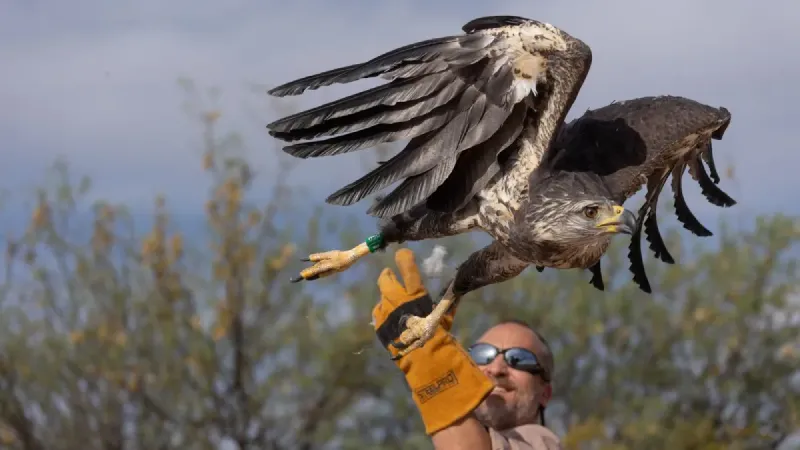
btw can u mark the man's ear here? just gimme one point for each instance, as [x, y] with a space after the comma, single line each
[547, 394]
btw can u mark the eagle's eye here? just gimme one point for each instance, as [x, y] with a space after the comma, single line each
[590, 212]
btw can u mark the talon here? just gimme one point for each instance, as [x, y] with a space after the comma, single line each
[399, 345]
[415, 345]
[418, 330]
[331, 262]
[403, 320]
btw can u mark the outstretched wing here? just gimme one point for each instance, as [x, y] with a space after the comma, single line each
[642, 142]
[459, 100]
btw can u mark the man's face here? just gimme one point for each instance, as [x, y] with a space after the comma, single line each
[517, 395]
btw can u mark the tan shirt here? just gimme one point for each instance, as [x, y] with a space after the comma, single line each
[525, 437]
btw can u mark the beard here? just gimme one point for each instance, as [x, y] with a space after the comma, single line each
[499, 414]
[495, 413]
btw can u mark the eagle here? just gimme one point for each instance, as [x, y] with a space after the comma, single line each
[487, 148]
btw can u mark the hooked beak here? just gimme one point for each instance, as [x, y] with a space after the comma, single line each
[623, 221]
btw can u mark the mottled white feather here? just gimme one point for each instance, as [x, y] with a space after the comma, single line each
[433, 265]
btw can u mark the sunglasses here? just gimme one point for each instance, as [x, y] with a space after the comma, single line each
[516, 358]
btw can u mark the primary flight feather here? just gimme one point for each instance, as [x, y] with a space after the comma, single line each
[482, 115]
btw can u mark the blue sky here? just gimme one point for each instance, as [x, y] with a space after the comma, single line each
[97, 83]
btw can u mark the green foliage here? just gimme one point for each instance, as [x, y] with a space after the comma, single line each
[170, 341]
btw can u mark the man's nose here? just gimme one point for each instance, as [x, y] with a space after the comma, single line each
[497, 367]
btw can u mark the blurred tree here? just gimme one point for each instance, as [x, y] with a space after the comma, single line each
[196, 341]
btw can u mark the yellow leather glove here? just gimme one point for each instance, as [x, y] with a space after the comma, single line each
[445, 383]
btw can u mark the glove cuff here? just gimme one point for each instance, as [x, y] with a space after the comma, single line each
[446, 384]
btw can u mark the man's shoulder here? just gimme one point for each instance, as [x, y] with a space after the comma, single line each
[525, 437]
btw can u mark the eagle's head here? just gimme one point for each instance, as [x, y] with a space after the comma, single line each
[570, 219]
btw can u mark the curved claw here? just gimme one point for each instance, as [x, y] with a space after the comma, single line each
[300, 278]
[402, 322]
[418, 331]
[330, 262]
[399, 345]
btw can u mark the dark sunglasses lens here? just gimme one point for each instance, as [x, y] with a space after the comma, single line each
[522, 359]
[482, 353]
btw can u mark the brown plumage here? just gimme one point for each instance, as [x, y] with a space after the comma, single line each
[640, 143]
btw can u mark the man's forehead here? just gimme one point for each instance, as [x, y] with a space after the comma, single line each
[507, 335]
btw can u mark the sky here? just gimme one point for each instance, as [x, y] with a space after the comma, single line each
[97, 83]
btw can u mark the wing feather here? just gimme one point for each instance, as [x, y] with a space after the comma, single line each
[412, 190]
[630, 143]
[467, 130]
[389, 64]
[708, 187]
[682, 211]
[627, 142]
[647, 216]
[453, 98]
[412, 160]
[381, 133]
[708, 157]
[476, 166]
[399, 95]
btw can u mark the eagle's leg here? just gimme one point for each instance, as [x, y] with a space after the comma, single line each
[491, 265]
[415, 225]
[334, 261]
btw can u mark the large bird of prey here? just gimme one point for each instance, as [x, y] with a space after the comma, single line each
[483, 113]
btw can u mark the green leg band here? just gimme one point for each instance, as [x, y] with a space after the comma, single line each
[374, 242]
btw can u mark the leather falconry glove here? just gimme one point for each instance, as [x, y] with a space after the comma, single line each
[445, 383]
